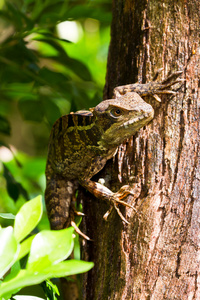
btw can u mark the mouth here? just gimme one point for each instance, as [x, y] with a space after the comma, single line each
[141, 119]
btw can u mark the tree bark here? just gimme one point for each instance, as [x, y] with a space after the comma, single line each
[157, 255]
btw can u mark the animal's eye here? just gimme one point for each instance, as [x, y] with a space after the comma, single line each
[116, 112]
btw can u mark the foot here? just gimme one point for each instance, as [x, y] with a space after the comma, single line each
[152, 88]
[117, 197]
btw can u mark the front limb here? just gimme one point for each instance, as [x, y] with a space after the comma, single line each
[152, 88]
[114, 199]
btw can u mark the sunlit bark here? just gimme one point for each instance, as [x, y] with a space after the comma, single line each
[157, 255]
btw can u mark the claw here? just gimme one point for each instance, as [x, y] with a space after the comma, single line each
[123, 203]
[156, 97]
[164, 86]
[165, 92]
[73, 224]
[157, 73]
[120, 214]
[117, 201]
[171, 76]
[118, 211]
[79, 213]
[108, 213]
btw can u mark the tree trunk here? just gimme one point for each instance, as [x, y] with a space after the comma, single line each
[157, 255]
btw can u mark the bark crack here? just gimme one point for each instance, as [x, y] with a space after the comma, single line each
[180, 146]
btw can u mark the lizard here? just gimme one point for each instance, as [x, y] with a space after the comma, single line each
[81, 143]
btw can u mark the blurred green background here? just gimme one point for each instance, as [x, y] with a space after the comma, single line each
[52, 61]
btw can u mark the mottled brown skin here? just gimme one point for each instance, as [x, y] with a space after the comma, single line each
[81, 143]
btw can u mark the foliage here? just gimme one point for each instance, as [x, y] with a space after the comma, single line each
[44, 75]
[24, 179]
[47, 250]
[35, 67]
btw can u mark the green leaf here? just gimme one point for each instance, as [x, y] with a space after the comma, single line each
[23, 278]
[68, 267]
[4, 126]
[29, 277]
[78, 68]
[53, 78]
[21, 297]
[75, 65]
[50, 247]
[50, 290]
[9, 249]
[7, 216]
[25, 247]
[14, 188]
[11, 184]
[16, 267]
[27, 218]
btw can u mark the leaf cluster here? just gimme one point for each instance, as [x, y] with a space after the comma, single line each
[36, 70]
[43, 76]
[46, 251]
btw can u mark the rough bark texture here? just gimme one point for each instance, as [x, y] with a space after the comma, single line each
[157, 256]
